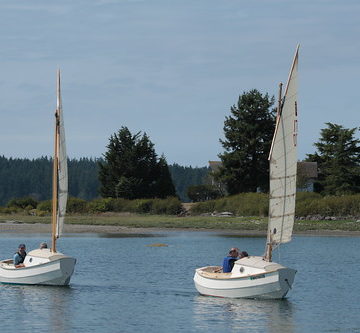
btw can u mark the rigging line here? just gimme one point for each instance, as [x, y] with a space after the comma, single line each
[279, 253]
[287, 281]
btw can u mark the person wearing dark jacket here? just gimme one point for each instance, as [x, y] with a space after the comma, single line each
[19, 256]
[229, 261]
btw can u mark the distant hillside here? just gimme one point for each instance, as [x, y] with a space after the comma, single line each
[24, 177]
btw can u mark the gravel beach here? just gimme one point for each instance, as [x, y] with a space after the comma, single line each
[39, 228]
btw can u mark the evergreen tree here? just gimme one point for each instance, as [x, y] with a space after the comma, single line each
[199, 193]
[20, 178]
[248, 135]
[131, 168]
[337, 155]
[164, 185]
[185, 176]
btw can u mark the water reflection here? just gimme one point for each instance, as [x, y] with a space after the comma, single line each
[243, 314]
[41, 308]
[128, 235]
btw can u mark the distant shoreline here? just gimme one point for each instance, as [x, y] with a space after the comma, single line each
[11, 227]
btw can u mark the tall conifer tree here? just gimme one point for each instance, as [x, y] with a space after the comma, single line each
[132, 170]
[248, 134]
[338, 158]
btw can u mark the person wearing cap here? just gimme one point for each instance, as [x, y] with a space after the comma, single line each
[43, 245]
[229, 261]
[19, 256]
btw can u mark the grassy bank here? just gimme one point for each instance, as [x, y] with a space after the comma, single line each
[188, 222]
[307, 204]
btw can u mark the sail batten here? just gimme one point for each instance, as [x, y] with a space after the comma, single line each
[283, 164]
[282, 177]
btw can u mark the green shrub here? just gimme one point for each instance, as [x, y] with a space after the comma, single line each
[41, 213]
[120, 205]
[23, 203]
[304, 196]
[76, 205]
[244, 204]
[29, 208]
[5, 210]
[168, 206]
[45, 206]
[307, 203]
[203, 192]
[203, 207]
[142, 206]
[100, 205]
[329, 205]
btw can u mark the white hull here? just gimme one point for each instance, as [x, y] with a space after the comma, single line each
[41, 268]
[255, 277]
[258, 279]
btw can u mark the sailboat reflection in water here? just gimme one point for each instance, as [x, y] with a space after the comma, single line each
[47, 266]
[243, 315]
[258, 276]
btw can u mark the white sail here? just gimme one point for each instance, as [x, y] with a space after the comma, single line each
[46, 266]
[283, 164]
[62, 166]
[258, 276]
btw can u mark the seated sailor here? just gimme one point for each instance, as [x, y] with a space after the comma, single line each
[20, 256]
[229, 261]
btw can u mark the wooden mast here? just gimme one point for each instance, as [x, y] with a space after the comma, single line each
[268, 250]
[55, 169]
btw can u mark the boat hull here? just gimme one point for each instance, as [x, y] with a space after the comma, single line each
[273, 284]
[56, 272]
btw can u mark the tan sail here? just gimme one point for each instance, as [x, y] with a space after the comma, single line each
[47, 266]
[283, 164]
[258, 276]
[62, 167]
[60, 173]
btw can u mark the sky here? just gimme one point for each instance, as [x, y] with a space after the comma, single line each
[170, 68]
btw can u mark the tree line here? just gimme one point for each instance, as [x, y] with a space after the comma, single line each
[22, 177]
[131, 169]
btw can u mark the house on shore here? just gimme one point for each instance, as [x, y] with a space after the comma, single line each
[307, 174]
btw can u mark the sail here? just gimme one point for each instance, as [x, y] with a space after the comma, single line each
[283, 164]
[62, 166]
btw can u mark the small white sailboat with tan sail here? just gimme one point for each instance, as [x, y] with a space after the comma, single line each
[259, 276]
[47, 266]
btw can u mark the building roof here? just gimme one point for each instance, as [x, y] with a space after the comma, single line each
[215, 165]
[308, 169]
[305, 169]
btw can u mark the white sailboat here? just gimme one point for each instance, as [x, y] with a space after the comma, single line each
[47, 266]
[258, 276]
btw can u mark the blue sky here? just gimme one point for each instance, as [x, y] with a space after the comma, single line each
[171, 68]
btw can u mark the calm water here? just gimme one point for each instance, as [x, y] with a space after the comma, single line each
[122, 285]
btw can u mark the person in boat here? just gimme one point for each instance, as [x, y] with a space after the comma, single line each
[228, 262]
[43, 245]
[243, 254]
[19, 256]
